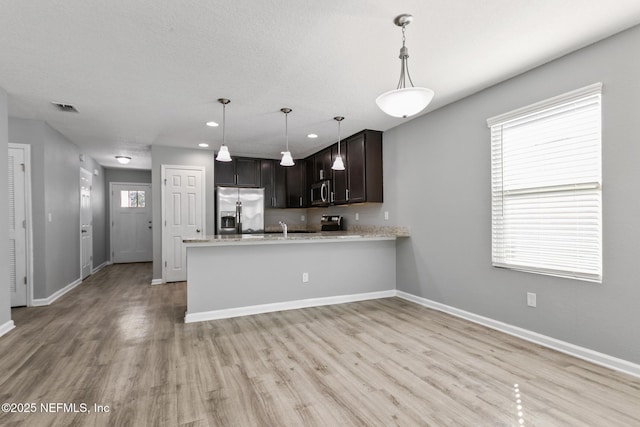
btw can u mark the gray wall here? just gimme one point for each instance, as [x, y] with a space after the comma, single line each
[442, 168]
[118, 175]
[55, 189]
[5, 297]
[275, 273]
[126, 175]
[184, 157]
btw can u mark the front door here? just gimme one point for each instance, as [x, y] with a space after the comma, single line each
[17, 228]
[131, 233]
[86, 220]
[183, 216]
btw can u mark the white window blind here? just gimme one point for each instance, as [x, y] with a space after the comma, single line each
[546, 186]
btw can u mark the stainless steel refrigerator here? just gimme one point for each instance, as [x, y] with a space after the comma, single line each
[239, 210]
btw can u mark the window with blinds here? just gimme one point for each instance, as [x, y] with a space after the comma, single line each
[546, 186]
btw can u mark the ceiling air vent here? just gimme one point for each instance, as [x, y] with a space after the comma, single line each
[65, 108]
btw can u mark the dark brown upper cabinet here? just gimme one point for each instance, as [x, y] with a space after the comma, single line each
[321, 165]
[240, 172]
[297, 194]
[273, 179]
[364, 167]
[339, 178]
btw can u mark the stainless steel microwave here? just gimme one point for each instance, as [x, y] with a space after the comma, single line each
[320, 193]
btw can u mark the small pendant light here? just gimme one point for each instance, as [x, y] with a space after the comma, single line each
[338, 164]
[404, 101]
[223, 154]
[287, 160]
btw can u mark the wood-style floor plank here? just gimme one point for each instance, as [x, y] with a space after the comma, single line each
[120, 342]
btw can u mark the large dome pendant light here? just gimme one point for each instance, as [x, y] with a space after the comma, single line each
[287, 160]
[404, 101]
[338, 164]
[223, 154]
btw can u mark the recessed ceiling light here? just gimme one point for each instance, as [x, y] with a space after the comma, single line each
[312, 135]
[123, 160]
[203, 145]
[212, 124]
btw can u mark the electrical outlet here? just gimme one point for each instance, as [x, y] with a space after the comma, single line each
[386, 215]
[357, 216]
[305, 277]
[302, 217]
[531, 299]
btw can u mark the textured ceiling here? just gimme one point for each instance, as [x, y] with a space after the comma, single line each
[147, 72]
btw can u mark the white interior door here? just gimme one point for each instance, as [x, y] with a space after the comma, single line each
[86, 228]
[183, 216]
[131, 233]
[17, 228]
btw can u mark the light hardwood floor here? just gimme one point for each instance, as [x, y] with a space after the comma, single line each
[117, 341]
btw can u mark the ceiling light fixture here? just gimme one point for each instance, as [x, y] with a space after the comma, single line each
[223, 154]
[203, 145]
[123, 160]
[312, 136]
[404, 101]
[212, 124]
[338, 164]
[287, 160]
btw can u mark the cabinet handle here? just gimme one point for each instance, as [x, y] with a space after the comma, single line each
[274, 201]
[321, 174]
[347, 193]
[300, 201]
[332, 198]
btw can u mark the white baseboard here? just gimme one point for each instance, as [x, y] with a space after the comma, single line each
[281, 306]
[100, 267]
[37, 302]
[156, 281]
[6, 327]
[555, 344]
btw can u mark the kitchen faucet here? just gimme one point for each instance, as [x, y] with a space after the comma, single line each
[284, 229]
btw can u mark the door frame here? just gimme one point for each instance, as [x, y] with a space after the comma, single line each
[28, 217]
[163, 198]
[111, 216]
[89, 173]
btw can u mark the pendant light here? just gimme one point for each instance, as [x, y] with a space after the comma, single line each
[223, 154]
[404, 101]
[287, 160]
[338, 164]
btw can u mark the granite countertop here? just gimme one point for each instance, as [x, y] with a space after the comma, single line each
[376, 233]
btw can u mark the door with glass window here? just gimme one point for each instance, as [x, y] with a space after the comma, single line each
[131, 226]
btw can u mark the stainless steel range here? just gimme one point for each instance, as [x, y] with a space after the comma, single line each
[331, 223]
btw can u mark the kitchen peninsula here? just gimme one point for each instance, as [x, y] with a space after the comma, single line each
[237, 275]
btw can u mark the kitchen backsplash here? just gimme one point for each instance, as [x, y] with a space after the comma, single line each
[368, 215]
[292, 217]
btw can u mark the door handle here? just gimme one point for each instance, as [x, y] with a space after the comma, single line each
[197, 230]
[150, 227]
